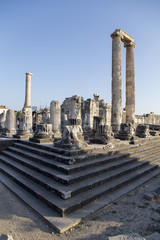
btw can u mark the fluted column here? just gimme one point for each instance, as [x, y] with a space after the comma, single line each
[28, 90]
[116, 117]
[130, 83]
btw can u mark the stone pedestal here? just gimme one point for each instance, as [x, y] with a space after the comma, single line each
[25, 124]
[55, 118]
[43, 134]
[72, 138]
[126, 131]
[103, 135]
[142, 131]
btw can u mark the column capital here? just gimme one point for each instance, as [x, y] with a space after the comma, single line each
[27, 73]
[127, 44]
[117, 33]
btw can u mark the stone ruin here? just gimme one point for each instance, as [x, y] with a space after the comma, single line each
[77, 121]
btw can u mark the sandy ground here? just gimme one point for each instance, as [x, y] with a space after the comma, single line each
[130, 214]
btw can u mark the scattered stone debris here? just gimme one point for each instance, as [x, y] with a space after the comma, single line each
[136, 236]
[133, 236]
[6, 237]
[153, 196]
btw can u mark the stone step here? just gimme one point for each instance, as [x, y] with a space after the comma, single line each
[144, 149]
[51, 148]
[64, 207]
[83, 157]
[106, 177]
[44, 176]
[39, 192]
[93, 194]
[59, 157]
[52, 163]
[61, 224]
[63, 167]
[140, 147]
[144, 154]
[59, 176]
[85, 174]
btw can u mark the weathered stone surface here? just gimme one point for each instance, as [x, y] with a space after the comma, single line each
[25, 124]
[152, 119]
[103, 135]
[149, 197]
[130, 83]
[116, 82]
[72, 138]
[10, 124]
[27, 102]
[2, 120]
[117, 36]
[71, 110]
[132, 236]
[55, 118]
[153, 236]
[154, 133]
[43, 133]
[142, 131]
[6, 237]
[126, 131]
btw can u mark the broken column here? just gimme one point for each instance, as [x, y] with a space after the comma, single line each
[10, 124]
[116, 81]
[55, 118]
[2, 121]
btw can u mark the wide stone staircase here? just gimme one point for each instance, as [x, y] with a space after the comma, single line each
[65, 186]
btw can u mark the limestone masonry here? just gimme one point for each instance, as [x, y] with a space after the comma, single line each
[96, 120]
[75, 157]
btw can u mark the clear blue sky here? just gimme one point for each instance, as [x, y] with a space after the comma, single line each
[66, 44]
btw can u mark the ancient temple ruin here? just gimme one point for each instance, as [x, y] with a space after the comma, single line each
[97, 120]
[117, 36]
[68, 161]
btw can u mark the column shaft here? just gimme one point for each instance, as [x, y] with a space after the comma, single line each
[130, 83]
[55, 117]
[116, 83]
[28, 90]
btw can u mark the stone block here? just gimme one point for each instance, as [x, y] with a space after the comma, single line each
[6, 237]
[132, 236]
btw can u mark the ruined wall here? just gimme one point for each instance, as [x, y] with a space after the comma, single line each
[71, 110]
[151, 118]
[90, 112]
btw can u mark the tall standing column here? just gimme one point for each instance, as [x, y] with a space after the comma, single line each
[28, 90]
[116, 117]
[130, 83]
[25, 120]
